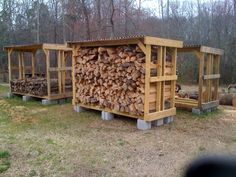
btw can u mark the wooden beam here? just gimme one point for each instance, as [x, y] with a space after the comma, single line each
[159, 84]
[211, 76]
[163, 78]
[173, 82]
[200, 79]
[23, 64]
[147, 80]
[63, 72]
[20, 65]
[33, 63]
[211, 50]
[74, 54]
[211, 104]
[60, 69]
[9, 64]
[162, 42]
[48, 72]
[142, 47]
[56, 47]
[59, 74]
[160, 114]
[163, 74]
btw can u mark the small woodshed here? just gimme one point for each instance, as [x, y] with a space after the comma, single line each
[206, 98]
[132, 76]
[53, 81]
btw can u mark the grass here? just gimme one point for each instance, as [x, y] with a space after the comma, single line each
[4, 88]
[4, 161]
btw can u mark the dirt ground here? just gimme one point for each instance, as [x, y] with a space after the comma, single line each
[55, 141]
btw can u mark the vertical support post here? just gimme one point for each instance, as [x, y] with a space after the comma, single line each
[147, 80]
[159, 84]
[163, 74]
[74, 52]
[173, 83]
[33, 63]
[59, 70]
[208, 72]
[217, 71]
[63, 64]
[9, 65]
[23, 64]
[200, 77]
[48, 72]
[20, 65]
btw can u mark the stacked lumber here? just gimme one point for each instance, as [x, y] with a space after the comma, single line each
[111, 77]
[36, 86]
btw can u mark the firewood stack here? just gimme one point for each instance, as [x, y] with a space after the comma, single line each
[111, 77]
[36, 86]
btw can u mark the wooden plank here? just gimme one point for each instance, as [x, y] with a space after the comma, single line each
[23, 64]
[9, 65]
[48, 73]
[59, 71]
[200, 75]
[33, 63]
[63, 62]
[142, 47]
[211, 104]
[160, 114]
[62, 47]
[211, 50]
[208, 82]
[74, 53]
[20, 65]
[211, 76]
[53, 69]
[173, 82]
[217, 70]
[109, 110]
[162, 42]
[147, 78]
[163, 74]
[163, 78]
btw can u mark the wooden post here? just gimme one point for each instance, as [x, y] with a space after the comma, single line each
[173, 83]
[217, 71]
[159, 73]
[63, 64]
[9, 64]
[147, 80]
[20, 65]
[200, 78]
[163, 74]
[23, 64]
[75, 50]
[59, 71]
[48, 72]
[33, 63]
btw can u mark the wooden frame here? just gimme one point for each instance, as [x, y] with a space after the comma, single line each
[208, 77]
[61, 50]
[154, 98]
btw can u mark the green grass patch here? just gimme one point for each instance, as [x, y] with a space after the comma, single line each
[4, 88]
[4, 161]
[204, 115]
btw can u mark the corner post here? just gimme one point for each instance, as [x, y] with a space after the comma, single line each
[33, 63]
[9, 64]
[48, 72]
[147, 81]
[200, 77]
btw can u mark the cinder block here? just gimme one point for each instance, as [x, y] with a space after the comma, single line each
[196, 111]
[78, 109]
[158, 122]
[168, 120]
[49, 102]
[208, 110]
[107, 115]
[27, 98]
[62, 101]
[213, 109]
[143, 125]
[10, 95]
